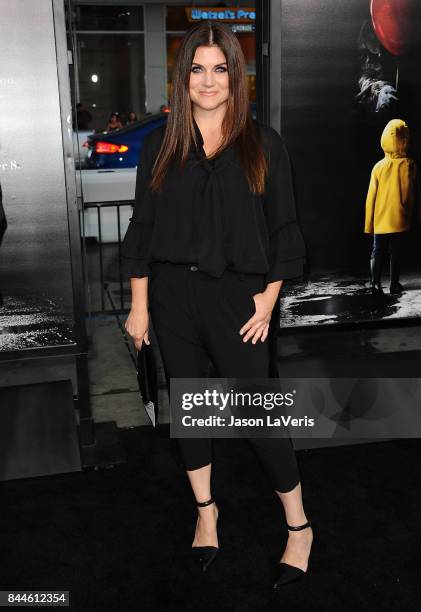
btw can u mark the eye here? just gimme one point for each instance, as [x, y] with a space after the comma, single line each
[218, 69]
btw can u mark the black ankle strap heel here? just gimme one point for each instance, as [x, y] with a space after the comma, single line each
[205, 554]
[285, 573]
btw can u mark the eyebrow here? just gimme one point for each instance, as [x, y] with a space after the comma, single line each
[216, 65]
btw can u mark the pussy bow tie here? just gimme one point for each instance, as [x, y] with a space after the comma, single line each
[209, 207]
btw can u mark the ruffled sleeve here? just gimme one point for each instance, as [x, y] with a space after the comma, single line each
[136, 242]
[286, 243]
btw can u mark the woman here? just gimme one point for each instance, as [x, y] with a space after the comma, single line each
[132, 118]
[114, 123]
[212, 237]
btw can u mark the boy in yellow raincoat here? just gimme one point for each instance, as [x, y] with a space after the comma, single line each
[390, 203]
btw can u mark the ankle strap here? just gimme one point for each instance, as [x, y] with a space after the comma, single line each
[205, 503]
[308, 524]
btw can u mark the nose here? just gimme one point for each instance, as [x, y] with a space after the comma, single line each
[208, 79]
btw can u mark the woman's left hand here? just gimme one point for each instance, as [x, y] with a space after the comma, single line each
[258, 325]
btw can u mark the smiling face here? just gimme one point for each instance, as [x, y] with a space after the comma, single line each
[209, 83]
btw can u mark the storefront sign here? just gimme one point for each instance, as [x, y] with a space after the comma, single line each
[243, 15]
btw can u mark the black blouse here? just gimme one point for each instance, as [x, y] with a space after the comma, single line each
[206, 214]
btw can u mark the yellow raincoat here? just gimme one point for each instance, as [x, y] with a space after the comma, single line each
[392, 190]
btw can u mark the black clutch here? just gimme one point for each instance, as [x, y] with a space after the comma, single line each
[147, 379]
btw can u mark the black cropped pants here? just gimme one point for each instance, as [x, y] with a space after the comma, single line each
[197, 318]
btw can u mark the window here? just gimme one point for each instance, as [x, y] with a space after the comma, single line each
[111, 75]
[110, 18]
[109, 60]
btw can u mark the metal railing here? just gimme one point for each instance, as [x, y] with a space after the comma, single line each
[99, 206]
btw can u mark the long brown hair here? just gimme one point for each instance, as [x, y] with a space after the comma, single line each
[237, 127]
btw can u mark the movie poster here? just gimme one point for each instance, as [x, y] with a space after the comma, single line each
[36, 301]
[351, 100]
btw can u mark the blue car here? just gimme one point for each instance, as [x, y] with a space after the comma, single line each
[121, 148]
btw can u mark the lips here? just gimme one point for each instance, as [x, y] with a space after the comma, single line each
[208, 93]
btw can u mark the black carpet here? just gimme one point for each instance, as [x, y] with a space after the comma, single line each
[118, 539]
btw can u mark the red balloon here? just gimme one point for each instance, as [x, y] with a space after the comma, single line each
[392, 22]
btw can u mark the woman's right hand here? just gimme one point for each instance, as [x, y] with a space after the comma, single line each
[137, 326]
